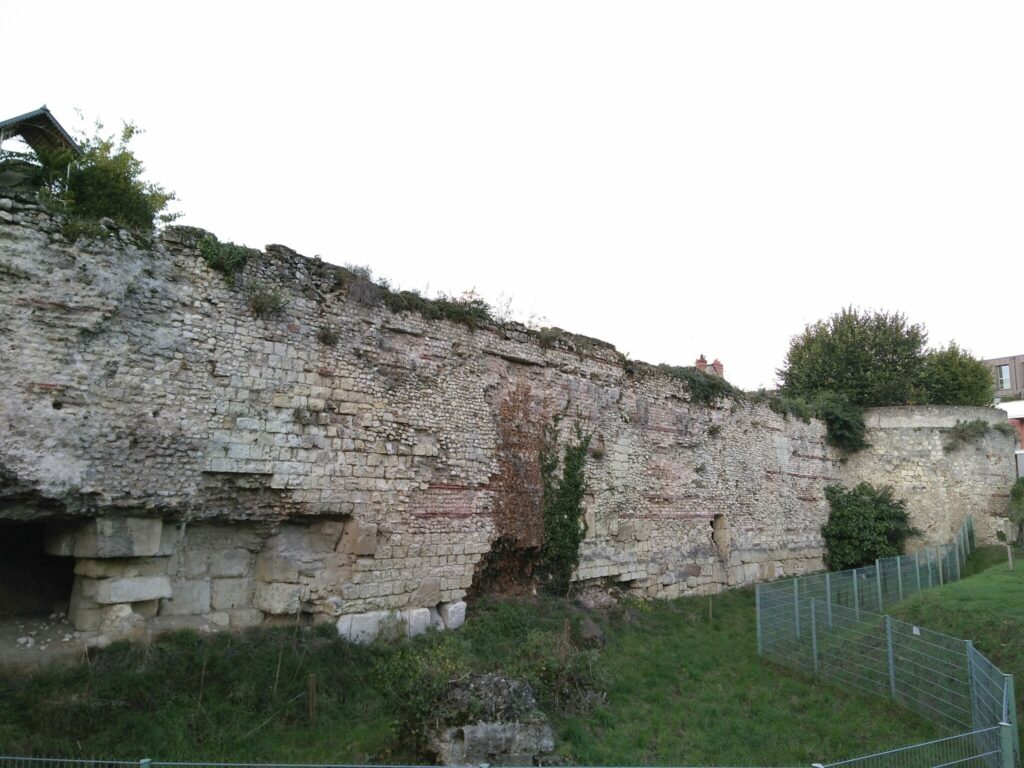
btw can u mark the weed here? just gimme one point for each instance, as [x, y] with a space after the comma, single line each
[227, 258]
[265, 302]
[704, 388]
[327, 335]
[964, 433]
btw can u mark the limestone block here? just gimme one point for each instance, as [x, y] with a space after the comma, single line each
[132, 589]
[417, 621]
[428, 593]
[121, 567]
[453, 614]
[359, 538]
[231, 593]
[271, 566]
[189, 597]
[119, 537]
[230, 562]
[278, 599]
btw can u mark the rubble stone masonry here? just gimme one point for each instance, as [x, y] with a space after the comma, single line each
[207, 467]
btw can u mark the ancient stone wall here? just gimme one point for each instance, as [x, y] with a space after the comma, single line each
[910, 449]
[206, 466]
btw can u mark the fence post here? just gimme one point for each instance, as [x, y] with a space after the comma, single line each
[814, 637]
[957, 564]
[757, 604]
[1006, 734]
[892, 659]
[796, 604]
[969, 652]
[938, 561]
[145, 762]
[828, 598]
[917, 569]
[878, 583]
[899, 575]
[928, 562]
[856, 598]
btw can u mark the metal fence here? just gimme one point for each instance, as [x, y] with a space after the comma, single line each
[832, 625]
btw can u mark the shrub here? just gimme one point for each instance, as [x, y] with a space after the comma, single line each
[844, 421]
[951, 376]
[227, 258]
[865, 523]
[105, 181]
[796, 407]
[562, 508]
[265, 302]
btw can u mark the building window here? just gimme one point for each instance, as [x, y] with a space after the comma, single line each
[1002, 377]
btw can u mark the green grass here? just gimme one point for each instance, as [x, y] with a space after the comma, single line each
[666, 687]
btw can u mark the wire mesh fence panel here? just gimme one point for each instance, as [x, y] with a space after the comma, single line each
[976, 749]
[931, 676]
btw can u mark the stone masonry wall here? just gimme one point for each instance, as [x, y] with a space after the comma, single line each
[206, 467]
[907, 450]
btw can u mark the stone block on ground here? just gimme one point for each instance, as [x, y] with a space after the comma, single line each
[453, 614]
[361, 628]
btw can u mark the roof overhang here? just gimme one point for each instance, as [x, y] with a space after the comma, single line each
[40, 130]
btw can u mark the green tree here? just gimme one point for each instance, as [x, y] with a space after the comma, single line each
[1017, 507]
[871, 358]
[865, 523]
[951, 376]
[105, 181]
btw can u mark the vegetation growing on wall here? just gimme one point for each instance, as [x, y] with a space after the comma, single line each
[844, 421]
[704, 388]
[227, 258]
[564, 526]
[967, 432]
[864, 523]
[105, 181]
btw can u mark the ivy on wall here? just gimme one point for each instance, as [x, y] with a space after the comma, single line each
[562, 507]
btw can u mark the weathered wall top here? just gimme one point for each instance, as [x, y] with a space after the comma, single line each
[929, 416]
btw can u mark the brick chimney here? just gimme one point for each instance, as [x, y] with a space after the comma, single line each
[702, 363]
[717, 368]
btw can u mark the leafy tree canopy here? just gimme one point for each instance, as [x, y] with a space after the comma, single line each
[951, 376]
[879, 358]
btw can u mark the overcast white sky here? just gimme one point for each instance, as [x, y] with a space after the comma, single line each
[676, 178]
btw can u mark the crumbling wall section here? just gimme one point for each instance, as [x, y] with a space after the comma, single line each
[287, 476]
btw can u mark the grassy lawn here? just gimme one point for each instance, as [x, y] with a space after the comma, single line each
[665, 687]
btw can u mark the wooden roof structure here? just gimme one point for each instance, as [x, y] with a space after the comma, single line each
[40, 130]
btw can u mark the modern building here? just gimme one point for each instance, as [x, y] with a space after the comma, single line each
[1008, 373]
